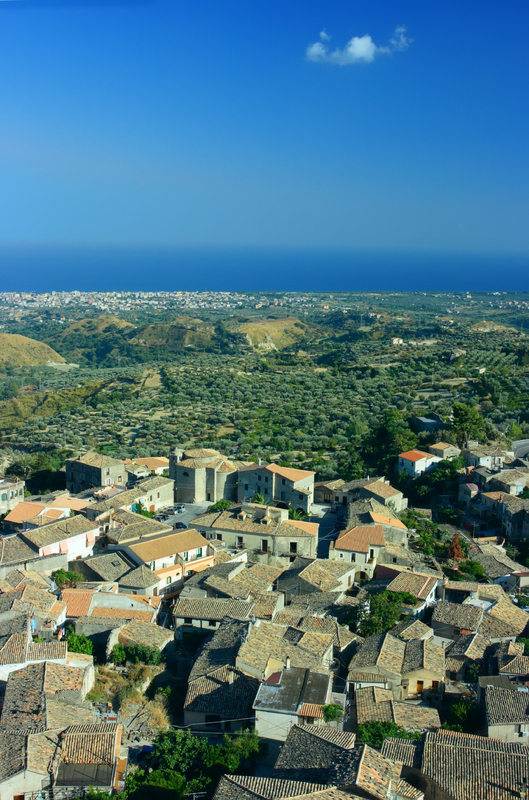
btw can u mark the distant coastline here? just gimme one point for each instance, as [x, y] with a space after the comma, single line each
[115, 268]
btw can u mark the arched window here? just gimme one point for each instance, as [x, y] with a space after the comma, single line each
[186, 474]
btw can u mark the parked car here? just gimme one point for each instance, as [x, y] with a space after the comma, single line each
[161, 517]
[179, 509]
[181, 525]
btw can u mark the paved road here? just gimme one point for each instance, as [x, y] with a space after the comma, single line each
[327, 524]
[521, 448]
[192, 511]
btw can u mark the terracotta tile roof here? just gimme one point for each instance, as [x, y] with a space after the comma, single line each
[382, 519]
[23, 577]
[23, 511]
[268, 640]
[511, 614]
[42, 651]
[415, 455]
[467, 766]
[411, 629]
[93, 459]
[465, 617]
[424, 654]
[15, 550]
[229, 521]
[379, 655]
[58, 531]
[382, 489]
[245, 787]
[366, 769]
[215, 694]
[139, 632]
[374, 703]
[326, 575]
[360, 538]
[211, 608]
[506, 706]
[77, 602]
[169, 545]
[293, 475]
[404, 751]
[311, 710]
[91, 744]
[416, 584]
[141, 578]
[221, 650]
[123, 613]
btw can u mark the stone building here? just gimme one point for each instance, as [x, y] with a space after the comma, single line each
[202, 476]
[291, 488]
[94, 469]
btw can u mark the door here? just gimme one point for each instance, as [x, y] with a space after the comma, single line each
[420, 686]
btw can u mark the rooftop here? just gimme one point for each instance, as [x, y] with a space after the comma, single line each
[58, 531]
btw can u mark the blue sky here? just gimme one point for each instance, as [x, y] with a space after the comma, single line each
[205, 123]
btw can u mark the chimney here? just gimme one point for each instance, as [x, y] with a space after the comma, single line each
[287, 662]
[259, 462]
[149, 600]
[230, 677]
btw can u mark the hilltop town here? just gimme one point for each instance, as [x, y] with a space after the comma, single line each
[264, 545]
[203, 623]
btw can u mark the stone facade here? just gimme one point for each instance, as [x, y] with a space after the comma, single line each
[202, 476]
[93, 469]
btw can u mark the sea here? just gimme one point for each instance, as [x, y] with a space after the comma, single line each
[43, 268]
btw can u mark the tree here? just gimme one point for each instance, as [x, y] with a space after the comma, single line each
[333, 712]
[296, 513]
[119, 654]
[79, 644]
[464, 713]
[374, 732]
[472, 568]
[220, 505]
[64, 577]
[384, 612]
[387, 440]
[178, 750]
[258, 498]
[455, 552]
[467, 423]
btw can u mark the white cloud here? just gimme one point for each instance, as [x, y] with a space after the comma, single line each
[359, 49]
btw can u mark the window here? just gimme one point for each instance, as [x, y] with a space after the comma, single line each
[186, 474]
[168, 581]
[283, 496]
[259, 477]
[353, 557]
[300, 496]
[108, 472]
[188, 621]
[341, 555]
[293, 547]
[4, 497]
[212, 623]
[394, 560]
[349, 580]
[158, 495]
[185, 556]
[199, 552]
[435, 684]
[239, 541]
[152, 565]
[264, 545]
[119, 478]
[266, 490]
[283, 481]
[219, 537]
[245, 487]
[266, 478]
[371, 553]
[336, 499]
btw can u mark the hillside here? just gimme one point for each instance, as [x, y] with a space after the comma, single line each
[19, 351]
[274, 334]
